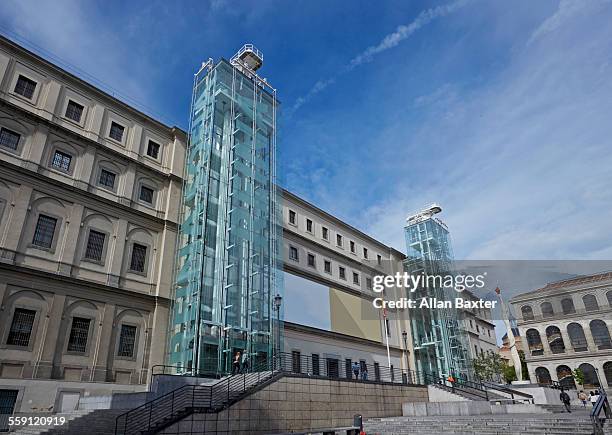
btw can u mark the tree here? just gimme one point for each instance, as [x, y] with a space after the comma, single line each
[523, 365]
[508, 372]
[579, 376]
[488, 367]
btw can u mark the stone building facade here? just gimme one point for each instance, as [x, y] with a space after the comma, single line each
[89, 198]
[567, 325]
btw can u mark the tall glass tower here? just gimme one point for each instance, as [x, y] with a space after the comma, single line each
[439, 342]
[228, 259]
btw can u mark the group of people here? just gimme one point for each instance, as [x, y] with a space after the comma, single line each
[240, 363]
[360, 371]
[582, 396]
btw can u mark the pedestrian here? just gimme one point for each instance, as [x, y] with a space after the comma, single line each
[236, 364]
[594, 397]
[583, 398]
[364, 372]
[565, 398]
[355, 367]
[244, 363]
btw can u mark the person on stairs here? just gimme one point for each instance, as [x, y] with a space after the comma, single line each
[236, 364]
[565, 398]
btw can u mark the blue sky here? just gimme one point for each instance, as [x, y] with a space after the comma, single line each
[499, 111]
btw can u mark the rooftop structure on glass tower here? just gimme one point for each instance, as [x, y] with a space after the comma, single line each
[439, 344]
[228, 270]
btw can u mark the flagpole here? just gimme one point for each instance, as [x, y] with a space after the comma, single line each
[387, 338]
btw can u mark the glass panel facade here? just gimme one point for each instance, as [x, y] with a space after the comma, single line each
[228, 264]
[440, 345]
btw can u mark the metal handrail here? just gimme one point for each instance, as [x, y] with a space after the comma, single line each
[461, 385]
[507, 390]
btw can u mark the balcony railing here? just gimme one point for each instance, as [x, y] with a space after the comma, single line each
[559, 315]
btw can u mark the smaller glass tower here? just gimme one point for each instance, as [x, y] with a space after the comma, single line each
[439, 342]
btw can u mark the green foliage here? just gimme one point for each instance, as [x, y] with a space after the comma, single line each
[488, 366]
[508, 372]
[523, 365]
[579, 376]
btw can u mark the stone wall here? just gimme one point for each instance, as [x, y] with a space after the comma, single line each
[303, 403]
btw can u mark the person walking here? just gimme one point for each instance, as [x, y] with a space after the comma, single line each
[565, 398]
[583, 398]
[364, 372]
[594, 397]
[244, 362]
[236, 364]
[355, 367]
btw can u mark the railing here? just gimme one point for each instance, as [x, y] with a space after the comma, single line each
[510, 391]
[459, 386]
[343, 369]
[560, 315]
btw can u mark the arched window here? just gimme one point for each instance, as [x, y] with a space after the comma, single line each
[601, 335]
[590, 378]
[534, 342]
[590, 303]
[555, 340]
[567, 305]
[527, 312]
[566, 379]
[577, 337]
[543, 375]
[547, 309]
[609, 296]
[608, 372]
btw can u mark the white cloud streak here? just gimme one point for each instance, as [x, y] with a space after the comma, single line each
[387, 43]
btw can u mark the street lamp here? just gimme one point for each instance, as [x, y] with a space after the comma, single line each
[405, 338]
[278, 300]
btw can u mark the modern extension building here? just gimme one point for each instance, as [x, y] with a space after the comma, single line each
[566, 325]
[440, 342]
[228, 268]
[90, 190]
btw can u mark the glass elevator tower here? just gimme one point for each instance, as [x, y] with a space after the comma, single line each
[439, 343]
[228, 259]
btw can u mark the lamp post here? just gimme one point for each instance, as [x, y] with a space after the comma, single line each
[278, 300]
[405, 338]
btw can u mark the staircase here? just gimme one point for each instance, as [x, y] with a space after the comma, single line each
[160, 413]
[506, 424]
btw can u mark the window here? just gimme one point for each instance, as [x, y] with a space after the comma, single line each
[325, 233]
[95, 245]
[477, 328]
[547, 309]
[365, 253]
[342, 272]
[309, 225]
[139, 256]
[327, 266]
[74, 111]
[567, 305]
[116, 131]
[338, 240]
[296, 361]
[293, 253]
[61, 160]
[315, 364]
[348, 368]
[146, 194]
[471, 324]
[21, 327]
[355, 278]
[127, 339]
[379, 259]
[369, 283]
[527, 312]
[107, 179]
[44, 232]
[311, 260]
[292, 217]
[25, 87]
[377, 371]
[153, 149]
[590, 303]
[79, 332]
[9, 139]
[352, 246]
